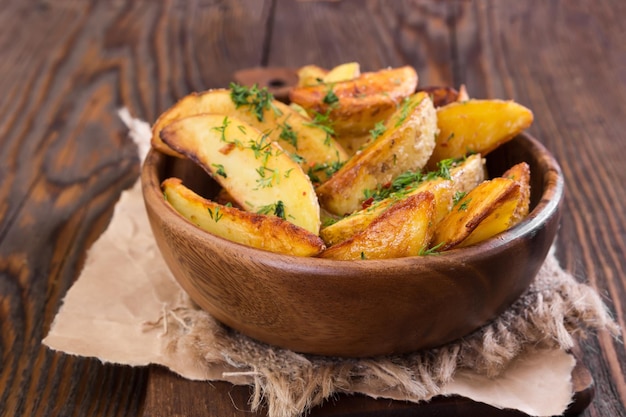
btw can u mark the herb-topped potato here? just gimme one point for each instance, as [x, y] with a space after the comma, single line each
[257, 172]
[309, 143]
[413, 183]
[355, 106]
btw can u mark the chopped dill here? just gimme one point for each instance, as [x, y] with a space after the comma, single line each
[258, 99]
[277, 209]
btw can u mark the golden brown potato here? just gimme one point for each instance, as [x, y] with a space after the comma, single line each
[521, 174]
[482, 213]
[405, 143]
[310, 75]
[464, 176]
[344, 72]
[349, 226]
[352, 144]
[403, 230]
[267, 232]
[295, 133]
[477, 126]
[354, 107]
[256, 171]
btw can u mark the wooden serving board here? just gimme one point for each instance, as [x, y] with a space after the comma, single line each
[171, 395]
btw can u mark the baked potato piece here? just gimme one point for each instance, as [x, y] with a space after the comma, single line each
[344, 72]
[403, 230]
[354, 107]
[477, 126]
[257, 172]
[482, 213]
[463, 177]
[295, 133]
[267, 232]
[521, 174]
[441, 190]
[310, 75]
[405, 143]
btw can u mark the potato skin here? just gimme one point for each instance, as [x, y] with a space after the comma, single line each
[269, 233]
[520, 173]
[489, 206]
[363, 101]
[463, 178]
[403, 230]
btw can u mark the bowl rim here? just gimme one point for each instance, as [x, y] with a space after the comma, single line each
[547, 206]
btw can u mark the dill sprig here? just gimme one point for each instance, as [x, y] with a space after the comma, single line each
[258, 99]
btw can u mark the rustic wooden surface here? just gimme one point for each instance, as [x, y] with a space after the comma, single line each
[67, 65]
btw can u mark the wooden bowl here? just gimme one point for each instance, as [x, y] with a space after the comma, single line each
[357, 308]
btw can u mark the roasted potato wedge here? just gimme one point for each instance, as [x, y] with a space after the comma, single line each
[352, 144]
[521, 174]
[257, 172]
[477, 126]
[344, 72]
[270, 233]
[405, 144]
[482, 213]
[295, 133]
[354, 107]
[310, 75]
[466, 175]
[441, 190]
[403, 230]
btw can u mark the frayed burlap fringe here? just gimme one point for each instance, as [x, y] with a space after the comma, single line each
[551, 314]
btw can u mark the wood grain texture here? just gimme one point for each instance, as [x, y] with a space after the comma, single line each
[67, 65]
[567, 62]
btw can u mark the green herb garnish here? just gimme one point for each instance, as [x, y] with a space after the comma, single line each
[277, 209]
[258, 99]
[220, 170]
[378, 130]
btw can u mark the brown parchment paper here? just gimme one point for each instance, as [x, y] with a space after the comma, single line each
[126, 308]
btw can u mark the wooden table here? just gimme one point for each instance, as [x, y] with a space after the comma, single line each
[67, 65]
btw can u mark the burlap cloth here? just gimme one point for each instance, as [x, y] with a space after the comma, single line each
[126, 308]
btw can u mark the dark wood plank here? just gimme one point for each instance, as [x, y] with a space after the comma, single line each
[197, 399]
[376, 34]
[566, 60]
[64, 164]
[64, 159]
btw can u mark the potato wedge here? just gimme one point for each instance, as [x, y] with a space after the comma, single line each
[344, 72]
[463, 178]
[349, 226]
[403, 230]
[352, 144]
[310, 75]
[521, 174]
[406, 144]
[295, 133]
[354, 107]
[256, 171]
[477, 126]
[269, 233]
[490, 205]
